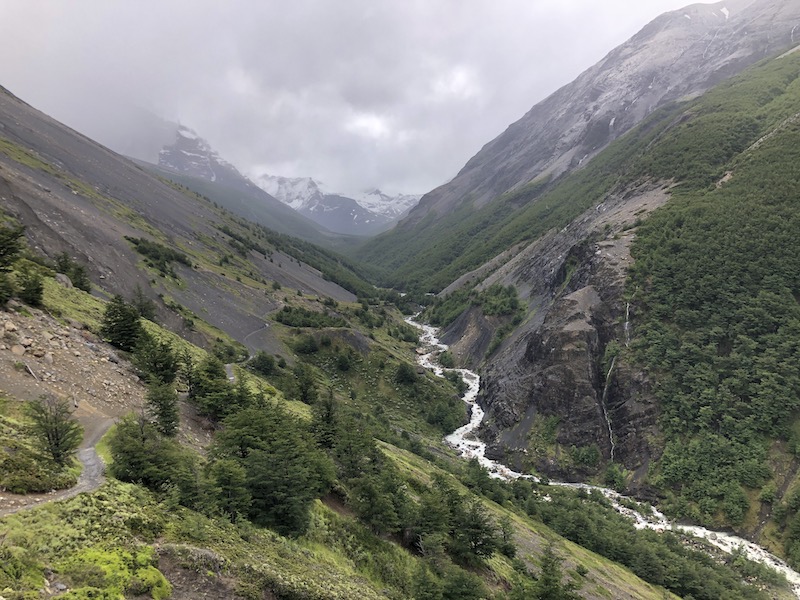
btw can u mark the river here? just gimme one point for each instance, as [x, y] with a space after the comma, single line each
[469, 446]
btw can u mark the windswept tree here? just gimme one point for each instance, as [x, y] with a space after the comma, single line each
[53, 425]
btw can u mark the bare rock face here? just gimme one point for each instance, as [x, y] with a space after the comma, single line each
[550, 394]
[678, 55]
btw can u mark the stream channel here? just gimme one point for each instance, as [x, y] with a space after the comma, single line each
[469, 446]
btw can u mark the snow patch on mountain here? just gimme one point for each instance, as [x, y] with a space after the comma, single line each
[384, 204]
[192, 155]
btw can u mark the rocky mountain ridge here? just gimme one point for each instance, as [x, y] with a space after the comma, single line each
[678, 55]
[192, 155]
[191, 161]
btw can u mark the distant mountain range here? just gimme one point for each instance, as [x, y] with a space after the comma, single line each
[365, 214]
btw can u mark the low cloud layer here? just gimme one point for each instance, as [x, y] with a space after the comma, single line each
[359, 94]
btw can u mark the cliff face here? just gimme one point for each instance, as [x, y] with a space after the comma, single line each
[680, 54]
[552, 399]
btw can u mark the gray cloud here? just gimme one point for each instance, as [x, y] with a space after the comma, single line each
[358, 93]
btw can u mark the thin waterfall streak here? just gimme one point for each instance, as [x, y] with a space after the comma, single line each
[627, 326]
[605, 409]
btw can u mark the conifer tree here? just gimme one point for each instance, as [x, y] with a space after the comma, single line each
[121, 326]
[162, 402]
[11, 239]
[155, 360]
[143, 305]
[31, 287]
[58, 433]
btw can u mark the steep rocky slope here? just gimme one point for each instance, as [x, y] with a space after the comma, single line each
[78, 197]
[554, 365]
[678, 55]
[586, 378]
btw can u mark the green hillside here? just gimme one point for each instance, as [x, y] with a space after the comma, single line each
[717, 281]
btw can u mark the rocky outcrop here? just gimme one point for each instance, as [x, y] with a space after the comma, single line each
[549, 391]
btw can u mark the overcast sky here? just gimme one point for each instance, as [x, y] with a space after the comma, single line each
[396, 94]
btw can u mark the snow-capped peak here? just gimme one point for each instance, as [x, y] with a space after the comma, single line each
[297, 192]
[366, 213]
[381, 203]
[187, 133]
[193, 155]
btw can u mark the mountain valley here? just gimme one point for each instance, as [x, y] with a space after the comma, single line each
[621, 266]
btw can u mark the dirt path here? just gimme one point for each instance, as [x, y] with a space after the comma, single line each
[92, 475]
[65, 361]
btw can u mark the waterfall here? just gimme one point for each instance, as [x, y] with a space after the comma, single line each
[627, 326]
[605, 408]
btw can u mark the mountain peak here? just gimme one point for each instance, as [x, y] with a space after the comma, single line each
[678, 55]
[360, 214]
[190, 154]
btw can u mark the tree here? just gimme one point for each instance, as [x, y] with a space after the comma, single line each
[63, 263]
[325, 420]
[262, 364]
[53, 425]
[75, 271]
[11, 239]
[549, 585]
[306, 386]
[405, 374]
[475, 537]
[79, 278]
[376, 499]
[230, 488]
[507, 546]
[143, 305]
[463, 585]
[121, 326]
[285, 473]
[162, 402]
[31, 287]
[156, 361]
[142, 455]
[186, 371]
[6, 289]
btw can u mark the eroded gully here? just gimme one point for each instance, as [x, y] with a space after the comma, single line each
[469, 446]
